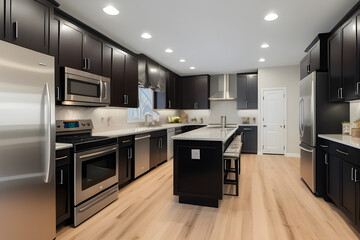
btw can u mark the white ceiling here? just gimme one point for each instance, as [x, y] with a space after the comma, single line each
[215, 36]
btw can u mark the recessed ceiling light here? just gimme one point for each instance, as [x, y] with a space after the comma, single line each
[265, 45]
[146, 36]
[271, 17]
[182, 60]
[111, 10]
[169, 50]
[262, 60]
[192, 68]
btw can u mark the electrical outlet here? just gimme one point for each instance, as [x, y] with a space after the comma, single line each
[195, 154]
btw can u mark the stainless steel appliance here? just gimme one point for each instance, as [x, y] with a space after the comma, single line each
[316, 116]
[96, 162]
[170, 143]
[142, 154]
[27, 144]
[85, 89]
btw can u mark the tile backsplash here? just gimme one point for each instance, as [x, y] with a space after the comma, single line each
[354, 111]
[106, 117]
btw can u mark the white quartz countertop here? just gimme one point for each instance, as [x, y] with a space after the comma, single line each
[207, 134]
[60, 146]
[121, 132]
[343, 139]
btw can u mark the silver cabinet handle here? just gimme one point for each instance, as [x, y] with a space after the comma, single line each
[131, 153]
[345, 153]
[357, 88]
[341, 92]
[169, 103]
[98, 153]
[126, 99]
[88, 63]
[128, 153]
[324, 146]
[126, 141]
[144, 137]
[355, 178]
[84, 63]
[61, 158]
[326, 159]
[58, 93]
[352, 174]
[61, 177]
[16, 29]
[48, 161]
[306, 150]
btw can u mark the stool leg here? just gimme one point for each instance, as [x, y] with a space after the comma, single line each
[237, 176]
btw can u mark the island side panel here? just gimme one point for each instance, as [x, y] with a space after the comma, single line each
[198, 180]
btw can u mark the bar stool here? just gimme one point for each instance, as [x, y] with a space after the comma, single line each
[232, 154]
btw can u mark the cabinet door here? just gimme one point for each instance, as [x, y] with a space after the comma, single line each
[249, 140]
[131, 81]
[170, 91]
[315, 57]
[252, 92]
[333, 170]
[117, 79]
[188, 93]
[70, 46]
[125, 156]
[163, 149]
[335, 67]
[347, 204]
[304, 66]
[241, 91]
[62, 193]
[349, 60]
[92, 52]
[322, 157]
[107, 57]
[202, 86]
[29, 24]
[155, 152]
[2, 19]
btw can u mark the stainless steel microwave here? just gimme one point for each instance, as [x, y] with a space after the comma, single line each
[85, 89]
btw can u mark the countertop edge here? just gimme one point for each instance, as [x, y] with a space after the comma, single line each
[176, 138]
[347, 143]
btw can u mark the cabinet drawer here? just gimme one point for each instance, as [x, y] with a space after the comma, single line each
[126, 141]
[63, 157]
[345, 152]
[324, 144]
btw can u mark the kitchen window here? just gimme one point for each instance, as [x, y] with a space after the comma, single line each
[146, 105]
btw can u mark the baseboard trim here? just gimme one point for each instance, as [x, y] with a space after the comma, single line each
[297, 155]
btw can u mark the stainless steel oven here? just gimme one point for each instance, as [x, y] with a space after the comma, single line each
[95, 170]
[85, 89]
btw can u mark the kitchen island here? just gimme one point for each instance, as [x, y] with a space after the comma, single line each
[199, 165]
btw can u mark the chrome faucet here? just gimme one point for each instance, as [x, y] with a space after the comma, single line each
[148, 119]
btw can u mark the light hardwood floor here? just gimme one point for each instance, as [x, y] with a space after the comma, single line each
[273, 204]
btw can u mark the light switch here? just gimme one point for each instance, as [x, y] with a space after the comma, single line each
[195, 154]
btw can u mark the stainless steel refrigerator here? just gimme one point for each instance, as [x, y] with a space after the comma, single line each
[27, 144]
[317, 116]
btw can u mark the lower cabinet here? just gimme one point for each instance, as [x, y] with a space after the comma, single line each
[348, 205]
[333, 170]
[126, 153]
[63, 158]
[249, 139]
[158, 148]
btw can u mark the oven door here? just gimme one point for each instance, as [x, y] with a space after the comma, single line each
[95, 170]
[82, 89]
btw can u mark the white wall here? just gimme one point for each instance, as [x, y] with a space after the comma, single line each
[354, 111]
[286, 77]
[105, 117]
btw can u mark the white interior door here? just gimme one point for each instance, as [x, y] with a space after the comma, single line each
[273, 121]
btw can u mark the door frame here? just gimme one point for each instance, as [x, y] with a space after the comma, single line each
[261, 132]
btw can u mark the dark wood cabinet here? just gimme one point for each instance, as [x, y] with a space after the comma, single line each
[124, 79]
[304, 66]
[348, 189]
[2, 19]
[63, 159]
[349, 64]
[333, 171]
[158, 148]
[172, 95]
[195, 91]
[70, 46]
[107, 58]
[247, 91]
[126, 153]
[28, 23]
[92, 54]
[335, 68]
[249, 139]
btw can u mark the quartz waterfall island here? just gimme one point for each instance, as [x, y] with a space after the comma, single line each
[199, 165]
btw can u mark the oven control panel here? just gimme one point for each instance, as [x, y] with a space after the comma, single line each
[73, 125]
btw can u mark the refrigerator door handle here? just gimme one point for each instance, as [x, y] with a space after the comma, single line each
[301, 117]
[47, 122]
[306, 150]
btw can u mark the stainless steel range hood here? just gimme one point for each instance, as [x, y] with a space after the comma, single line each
[223, 94]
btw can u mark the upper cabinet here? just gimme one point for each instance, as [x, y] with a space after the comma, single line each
[247, 91]
[172, 94]
[195, 91]
[28, 23]
[316, 56]
[335, 68]
[79, 49]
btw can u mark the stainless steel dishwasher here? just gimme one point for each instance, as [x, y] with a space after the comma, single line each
[142, 154]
